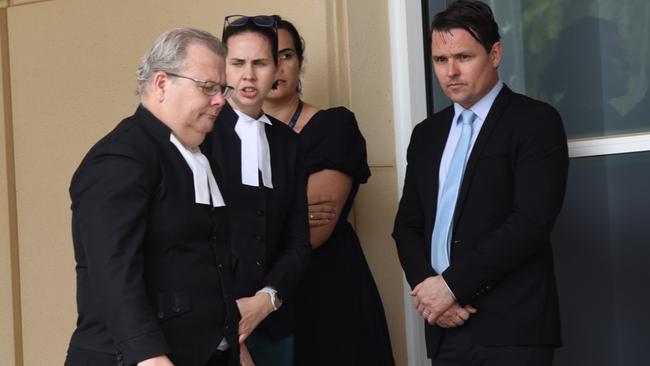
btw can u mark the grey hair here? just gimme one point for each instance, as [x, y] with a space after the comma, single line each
[169, 50]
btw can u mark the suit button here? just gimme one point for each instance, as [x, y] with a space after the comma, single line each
[259, 238]
[259, 262]
[214, 237]
[160, 315]
[259, 213]
[177, 309]
[220, 266]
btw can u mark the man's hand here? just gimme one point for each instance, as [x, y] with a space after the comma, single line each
[321, 210]
[455, 316]
[253, 310]
[432, 297]
[156, 361]
[245, 358]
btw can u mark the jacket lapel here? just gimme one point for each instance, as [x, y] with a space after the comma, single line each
[494, 116]
[277, 148]
[440, 132]
[228, 147]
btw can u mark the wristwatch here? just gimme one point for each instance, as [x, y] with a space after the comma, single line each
[276, 300]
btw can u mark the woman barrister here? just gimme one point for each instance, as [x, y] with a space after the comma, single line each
[265, 191]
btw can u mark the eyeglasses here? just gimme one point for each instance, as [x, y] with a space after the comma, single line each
[264, 21]
[208, 87]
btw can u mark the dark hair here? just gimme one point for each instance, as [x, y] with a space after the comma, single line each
[474, 16]
[270, 33]
[298, 41]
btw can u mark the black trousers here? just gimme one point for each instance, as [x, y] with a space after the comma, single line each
[83, 357]
[457, 348]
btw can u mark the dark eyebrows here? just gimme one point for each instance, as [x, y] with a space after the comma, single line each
[454, 55]
[242, 60]
[287, 49]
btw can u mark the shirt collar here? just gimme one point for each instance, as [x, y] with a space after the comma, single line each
[482, 107]
[244, 117]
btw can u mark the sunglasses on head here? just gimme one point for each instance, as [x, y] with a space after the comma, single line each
[263, 21]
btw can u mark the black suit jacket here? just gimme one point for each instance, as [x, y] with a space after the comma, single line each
[152, 265]
[511, 193]
[269, 227]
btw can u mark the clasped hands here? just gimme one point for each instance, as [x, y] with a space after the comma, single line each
[435, 302]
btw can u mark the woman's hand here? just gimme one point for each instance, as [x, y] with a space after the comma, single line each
[156, 361]
[245, 358]
[253, 310]
[321, 210]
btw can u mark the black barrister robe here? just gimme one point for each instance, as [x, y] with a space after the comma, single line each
[153, 266]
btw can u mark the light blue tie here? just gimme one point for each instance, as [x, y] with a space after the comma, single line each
[441, 238]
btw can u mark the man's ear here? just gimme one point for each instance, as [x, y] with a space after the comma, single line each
[159, 83]
[495, 54]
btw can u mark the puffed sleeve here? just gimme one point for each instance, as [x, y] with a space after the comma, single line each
[332, 140]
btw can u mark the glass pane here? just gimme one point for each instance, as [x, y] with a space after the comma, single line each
[582, 55]
[440, 100]
[588, 58]
[602, 252]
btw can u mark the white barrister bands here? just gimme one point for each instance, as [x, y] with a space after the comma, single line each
[205, 186]
[255, 155]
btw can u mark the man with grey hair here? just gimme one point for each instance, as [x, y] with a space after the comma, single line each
[149, 222]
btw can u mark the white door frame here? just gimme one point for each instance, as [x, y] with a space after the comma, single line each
[409, 108]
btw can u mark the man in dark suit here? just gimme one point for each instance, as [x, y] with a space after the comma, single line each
[485, 181]
[149, 225]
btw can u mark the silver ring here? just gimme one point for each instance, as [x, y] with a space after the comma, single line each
[311, 216]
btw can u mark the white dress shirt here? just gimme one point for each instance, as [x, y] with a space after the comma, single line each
[481, 110]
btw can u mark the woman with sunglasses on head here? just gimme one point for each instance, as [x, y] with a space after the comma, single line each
[339, 314]
[265, 190]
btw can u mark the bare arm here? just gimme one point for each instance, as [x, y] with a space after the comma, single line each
[336, 185]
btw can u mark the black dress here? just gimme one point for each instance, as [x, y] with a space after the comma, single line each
[340, 317]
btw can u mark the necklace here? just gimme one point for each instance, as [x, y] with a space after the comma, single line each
[296, 115]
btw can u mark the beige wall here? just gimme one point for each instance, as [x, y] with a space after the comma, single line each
[72, 68]
[371, 100]
[7, 343]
